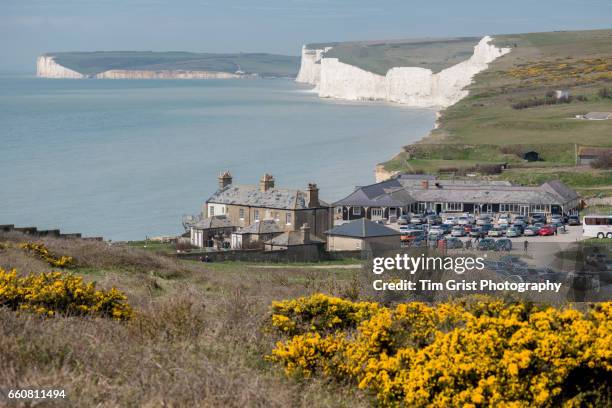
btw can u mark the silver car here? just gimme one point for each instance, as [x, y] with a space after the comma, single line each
[458, 232]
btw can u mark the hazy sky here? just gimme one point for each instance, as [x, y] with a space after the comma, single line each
[31, 27]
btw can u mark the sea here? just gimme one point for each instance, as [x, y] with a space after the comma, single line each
[126, 159]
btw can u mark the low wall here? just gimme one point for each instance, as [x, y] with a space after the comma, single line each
[34, 231]
[298, 254]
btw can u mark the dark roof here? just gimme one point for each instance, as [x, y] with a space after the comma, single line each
[374, 195]
[252, 196]
[362, 228]
[218, 221]
[293, 238]
[558, 188]
[594, 151]
[261, 227]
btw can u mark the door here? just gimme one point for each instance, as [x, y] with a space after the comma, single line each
[524, 210]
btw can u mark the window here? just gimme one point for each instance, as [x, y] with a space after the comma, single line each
[288, 218]
[356, 210]
[377, 212]
[421, 207]
[241, 213]
[256, 215]
[338, 210]
[211, 211]
[510, 208]
[453, 206]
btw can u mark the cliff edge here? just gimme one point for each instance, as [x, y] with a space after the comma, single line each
[413, 86]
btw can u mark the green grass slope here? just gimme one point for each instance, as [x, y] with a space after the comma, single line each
[381, 56]
[91, 63]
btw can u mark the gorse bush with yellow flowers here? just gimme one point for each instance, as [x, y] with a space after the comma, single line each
[476, 352]
[43, 252]
[54, 293]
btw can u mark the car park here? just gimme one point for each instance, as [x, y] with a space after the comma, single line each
[453, 243]
[538, 218]
[463, 220]
[433, 219]
[546, 230]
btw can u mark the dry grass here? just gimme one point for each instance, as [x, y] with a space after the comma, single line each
[196, 340]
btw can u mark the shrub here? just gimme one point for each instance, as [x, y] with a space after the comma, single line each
[42, 252]
[605, 93]
[516, 150]
[479, 353]
[602, 162]
[54, 293]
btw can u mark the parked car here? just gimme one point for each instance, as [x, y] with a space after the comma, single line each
[519, 227]
[433, 219]
[468, 228]
[458, 231]
[445, 228]
[453, 243]
[496, 232]
[478, 232]
[411, 234]
[483, 219]
[573, 220]
[416, 219]
[504, 219]
[451, 220]
[538, 218]
[404, 228]
[436, 229]
[486, 244]
[531, 231]
[503, 244]
[539, 224]
[546, 230]
[403, 219]
[381, 222]
[513, 232]
[463, 220]
[556, 219]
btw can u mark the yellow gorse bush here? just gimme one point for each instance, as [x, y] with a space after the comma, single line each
[54, 293]
[478, 353]
[42, 252]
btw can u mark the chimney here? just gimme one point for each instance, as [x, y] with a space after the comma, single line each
[313, 196]
[266, 183]
[225, 179]
[424, 184]
[305, 230]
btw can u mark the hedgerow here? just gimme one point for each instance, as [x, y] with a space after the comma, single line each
[478, 353]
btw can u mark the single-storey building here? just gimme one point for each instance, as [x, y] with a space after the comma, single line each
[587, 155]
[362, 234]
[405, 194]
[295, 240]
[531, 156]
[211, 232]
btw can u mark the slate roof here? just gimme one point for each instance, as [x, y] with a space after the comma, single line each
[293, 238]
[217, 221]
[261, 227]
[252, 196]
[362, 228]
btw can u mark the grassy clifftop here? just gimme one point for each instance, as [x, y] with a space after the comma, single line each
[91, 63]
[512, 108]
[381, 56]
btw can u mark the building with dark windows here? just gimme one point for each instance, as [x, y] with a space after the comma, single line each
[405, 194]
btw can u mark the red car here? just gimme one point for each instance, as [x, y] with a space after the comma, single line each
[546, 230]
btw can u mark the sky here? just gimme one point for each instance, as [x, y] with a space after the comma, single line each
[32, 27]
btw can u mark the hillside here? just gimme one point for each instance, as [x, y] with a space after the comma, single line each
[510, 109]
[93, 63]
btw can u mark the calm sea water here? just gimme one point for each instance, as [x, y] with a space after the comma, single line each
[125, 159]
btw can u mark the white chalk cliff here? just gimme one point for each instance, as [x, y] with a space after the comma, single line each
[414, 86]
[46, 67]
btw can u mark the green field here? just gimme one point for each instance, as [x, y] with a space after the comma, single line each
[381, 56]
[487, 123]
[91, 63]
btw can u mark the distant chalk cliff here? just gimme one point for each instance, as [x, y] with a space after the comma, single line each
[413, 86]
[46, 67]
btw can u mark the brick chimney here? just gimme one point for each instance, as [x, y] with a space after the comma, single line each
[266, 183]
[425, 184]
[305, 230]
[313, 196]
[225, 179]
